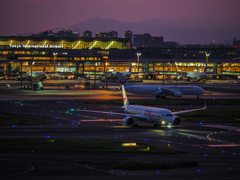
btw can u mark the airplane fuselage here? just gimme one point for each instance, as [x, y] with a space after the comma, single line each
[157, 115]
[153, 89]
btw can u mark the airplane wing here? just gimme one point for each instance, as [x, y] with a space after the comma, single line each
[139, 116]
[191, 110]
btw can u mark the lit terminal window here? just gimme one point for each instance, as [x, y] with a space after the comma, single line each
[105, 57]
[76, 58]
[82, 58]
[21, 58]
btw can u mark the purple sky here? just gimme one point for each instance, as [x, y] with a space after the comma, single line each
[24, 16]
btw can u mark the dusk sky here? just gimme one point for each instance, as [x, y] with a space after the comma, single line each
[25, 16]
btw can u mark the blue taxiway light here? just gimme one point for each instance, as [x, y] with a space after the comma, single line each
[205, 155]
[86, 164]
[200, 123]
[198, 170]
[157, 172]
[81, 136]
[115, 137]
[234, 154]
[153, 99]
[47, 136]
[200, 147]
[229, 168]
[180, 143]
[13, 125]
[40, 125]
[146, 139]
[169, 142]
[222, 151]
[111, 170]
[60, 124]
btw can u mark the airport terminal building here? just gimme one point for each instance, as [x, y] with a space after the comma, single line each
[84, 56]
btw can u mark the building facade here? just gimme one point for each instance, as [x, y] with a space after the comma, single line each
[87, 56]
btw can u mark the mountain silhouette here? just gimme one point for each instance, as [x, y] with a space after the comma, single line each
[170, 29]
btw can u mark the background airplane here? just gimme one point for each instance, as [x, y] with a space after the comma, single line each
[134, 113]
[160, 90]
[36, 74]
[195, 76]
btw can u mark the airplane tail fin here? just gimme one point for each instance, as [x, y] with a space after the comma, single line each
[130, 68]
[205, 69]
[122, 80]
[44, 67]
[125, 99]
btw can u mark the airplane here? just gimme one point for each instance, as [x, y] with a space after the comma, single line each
[160, 90]
[197, 76]
[134, 113]
[36, 74]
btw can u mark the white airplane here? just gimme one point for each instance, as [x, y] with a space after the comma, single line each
[36, 74]
[134, 113]
[194, 75]
[160, 90]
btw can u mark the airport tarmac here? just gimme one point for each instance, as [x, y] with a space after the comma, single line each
[217, 158]
[215, 147]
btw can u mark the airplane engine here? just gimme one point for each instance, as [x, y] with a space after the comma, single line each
[128, 121]
[177, 94]
[177, 120]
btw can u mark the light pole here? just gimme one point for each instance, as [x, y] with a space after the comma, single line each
[54, 54]
[176, 72]
[207, 60]
[138, 54]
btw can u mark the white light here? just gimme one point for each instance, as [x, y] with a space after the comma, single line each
[109, 45]
[93, 45]
[163, 122]
[76, 45]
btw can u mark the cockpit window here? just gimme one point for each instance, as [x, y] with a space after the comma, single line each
[169, 115]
